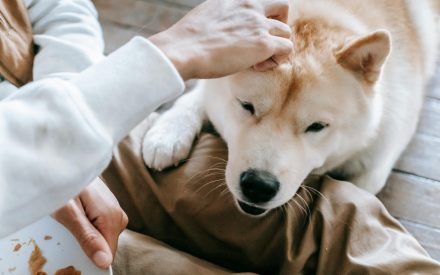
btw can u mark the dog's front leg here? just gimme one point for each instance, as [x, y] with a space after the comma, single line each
[378, 162]
[374, 179]
[170, 139]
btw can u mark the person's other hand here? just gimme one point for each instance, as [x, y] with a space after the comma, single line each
[96, 220]
[222, 37]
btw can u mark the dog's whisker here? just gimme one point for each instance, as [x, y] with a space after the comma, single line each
[223, 161]
[307, 206]
[208, 174]
[224, 192]
[216, 188]
[211, 173]
[200, 173]
[308, 193]
[292, 207]
[316, 191]
[208, 183]
[300, 206]
[215, 169]
[203, 186]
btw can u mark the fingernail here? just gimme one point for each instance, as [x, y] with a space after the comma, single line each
[102, 259]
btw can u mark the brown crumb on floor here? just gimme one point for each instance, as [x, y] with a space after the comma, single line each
[47, 238]
[36, 261]
[70, 270]
[17, 247]
[12, 269]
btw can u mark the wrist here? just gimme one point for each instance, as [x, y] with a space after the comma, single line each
[179, 59]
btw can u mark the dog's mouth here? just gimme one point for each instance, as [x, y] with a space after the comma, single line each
[251, 210]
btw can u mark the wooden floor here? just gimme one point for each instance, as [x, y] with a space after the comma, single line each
[413, 191]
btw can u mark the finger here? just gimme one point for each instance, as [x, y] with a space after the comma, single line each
[107, 216]
[279, 29]
[111, 233]
[90, 239]
[265, 65]
[280, 59]
[281, 46]
[277, 9]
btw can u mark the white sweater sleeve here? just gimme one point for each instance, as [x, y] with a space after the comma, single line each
[67, 35]
[57, 135]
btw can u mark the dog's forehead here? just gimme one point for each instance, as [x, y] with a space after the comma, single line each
[312, 59]
[301, 76]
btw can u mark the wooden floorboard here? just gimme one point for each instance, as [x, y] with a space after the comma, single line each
[430, 117]
[184, 4]
[433, 89]
[411, 197]
[116, 35]
[151, 16]
[422, 157]
[413, 190]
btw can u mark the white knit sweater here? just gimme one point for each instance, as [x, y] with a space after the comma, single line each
[57, 133]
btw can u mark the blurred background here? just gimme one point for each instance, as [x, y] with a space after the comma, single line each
[122, 19]
[412, 194]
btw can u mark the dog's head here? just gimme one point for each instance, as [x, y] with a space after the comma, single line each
[308, 115]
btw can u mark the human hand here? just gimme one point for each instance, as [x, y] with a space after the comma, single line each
[222, 37]
[96, 220]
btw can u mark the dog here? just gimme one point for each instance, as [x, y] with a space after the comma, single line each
[346, 103]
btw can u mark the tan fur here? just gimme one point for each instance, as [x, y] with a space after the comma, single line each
[357, 66]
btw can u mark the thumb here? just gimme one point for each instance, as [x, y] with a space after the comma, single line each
[95, 246]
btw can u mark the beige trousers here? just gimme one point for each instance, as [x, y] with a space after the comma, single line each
[187, 223]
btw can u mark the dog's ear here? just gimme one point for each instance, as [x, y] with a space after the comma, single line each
[366, 55]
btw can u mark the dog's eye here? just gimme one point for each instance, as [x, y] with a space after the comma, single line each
[316, 127]
[248, 107]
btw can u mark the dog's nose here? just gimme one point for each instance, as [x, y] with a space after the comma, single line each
[258, 186]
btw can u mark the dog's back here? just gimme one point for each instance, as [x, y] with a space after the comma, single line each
[413, 24]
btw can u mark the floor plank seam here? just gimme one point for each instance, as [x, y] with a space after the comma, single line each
[419, 177]
[433, 97]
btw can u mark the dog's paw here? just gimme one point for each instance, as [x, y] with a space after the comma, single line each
[170, 139]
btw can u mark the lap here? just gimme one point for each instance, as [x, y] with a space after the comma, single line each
[330, 227]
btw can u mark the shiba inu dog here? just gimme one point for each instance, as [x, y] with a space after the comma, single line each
[346, 103]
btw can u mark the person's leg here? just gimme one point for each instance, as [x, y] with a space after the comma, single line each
[189, 207]
[140, 254]
[329, 227]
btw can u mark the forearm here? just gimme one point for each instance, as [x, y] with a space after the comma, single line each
[57, 136]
